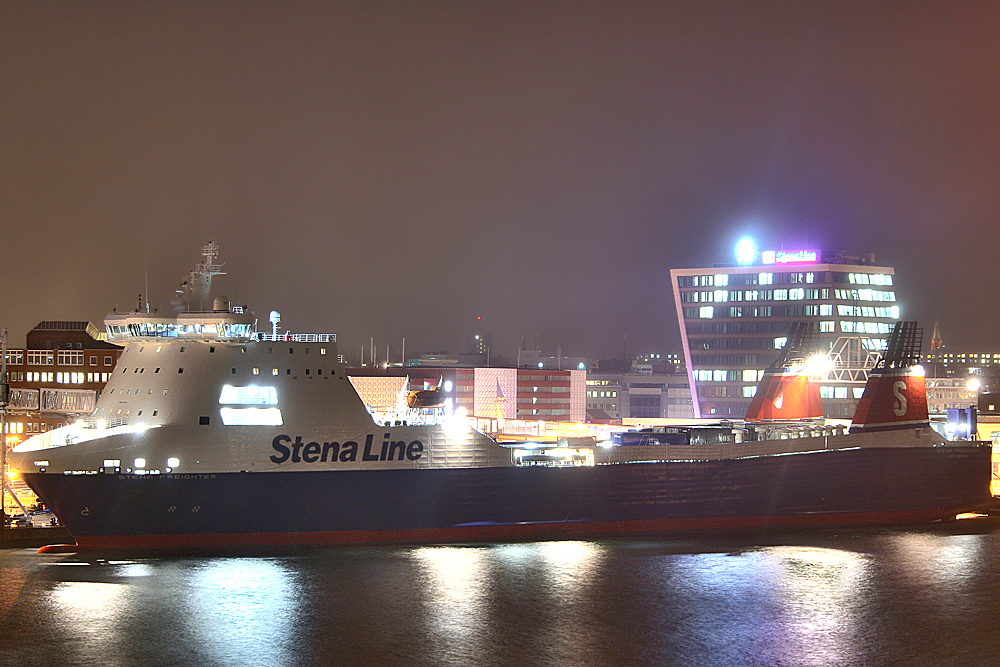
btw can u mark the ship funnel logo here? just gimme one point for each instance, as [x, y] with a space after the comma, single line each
[899, 400]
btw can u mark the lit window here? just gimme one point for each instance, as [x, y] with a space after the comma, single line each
[251, 416]
[749, 391]
[251, 395]
[706, 312]
[779, 343]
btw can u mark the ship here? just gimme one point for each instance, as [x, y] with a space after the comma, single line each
[211, 434]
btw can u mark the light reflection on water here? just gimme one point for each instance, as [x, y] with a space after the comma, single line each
[480, 603]
[893, 598]
[235, 607]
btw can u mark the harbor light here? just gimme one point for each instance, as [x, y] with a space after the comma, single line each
[818, 366]
[745, 251]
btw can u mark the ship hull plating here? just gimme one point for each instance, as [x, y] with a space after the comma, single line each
[868, 486]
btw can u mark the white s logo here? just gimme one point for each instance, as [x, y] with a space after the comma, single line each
[899, 405]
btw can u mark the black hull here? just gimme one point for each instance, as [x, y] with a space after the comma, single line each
[842, 487]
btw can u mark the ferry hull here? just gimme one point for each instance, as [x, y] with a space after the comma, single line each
[869, 486]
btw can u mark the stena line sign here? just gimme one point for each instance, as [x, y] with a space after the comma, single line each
[300, 451]
[789, 257]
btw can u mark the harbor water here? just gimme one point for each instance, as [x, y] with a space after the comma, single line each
[890, 597]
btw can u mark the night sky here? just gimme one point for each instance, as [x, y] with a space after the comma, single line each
[387, 170]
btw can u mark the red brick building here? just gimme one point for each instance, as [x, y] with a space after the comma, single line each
[56, 378]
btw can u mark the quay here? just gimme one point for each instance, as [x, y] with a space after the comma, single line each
[37, 536]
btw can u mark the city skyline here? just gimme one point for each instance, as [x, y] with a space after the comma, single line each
[399, 171]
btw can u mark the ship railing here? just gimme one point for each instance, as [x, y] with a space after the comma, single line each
[297, 338]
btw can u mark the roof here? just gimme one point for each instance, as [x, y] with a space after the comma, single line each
[56, 325]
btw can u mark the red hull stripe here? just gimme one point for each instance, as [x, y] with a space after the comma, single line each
[526, 531]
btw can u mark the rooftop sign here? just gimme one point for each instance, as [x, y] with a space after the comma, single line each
[785, 257]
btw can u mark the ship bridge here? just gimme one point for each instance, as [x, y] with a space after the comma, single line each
[227, 326]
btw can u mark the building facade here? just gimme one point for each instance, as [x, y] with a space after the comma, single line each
[616, 396]
[964, 360]
[734, 320]
[57, 377]
[490, 392]
[948, 393]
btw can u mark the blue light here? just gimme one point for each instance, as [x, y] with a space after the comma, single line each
[745, 251]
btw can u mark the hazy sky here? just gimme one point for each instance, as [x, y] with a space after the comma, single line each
[396, 169]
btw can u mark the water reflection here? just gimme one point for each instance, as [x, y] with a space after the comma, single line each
[819, 596]
[242, 609]
[526, 597]
[896, 598]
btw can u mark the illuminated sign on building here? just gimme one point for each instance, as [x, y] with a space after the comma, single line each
[782, 257]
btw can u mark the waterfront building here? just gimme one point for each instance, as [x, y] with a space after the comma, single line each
[638, 395]
[948, 393]
[734, 320]
[964, 360]
[488, 392]
[56, 378]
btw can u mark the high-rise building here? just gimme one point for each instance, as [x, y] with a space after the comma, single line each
[734, 319]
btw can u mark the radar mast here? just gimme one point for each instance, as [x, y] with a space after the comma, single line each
[195, 290]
